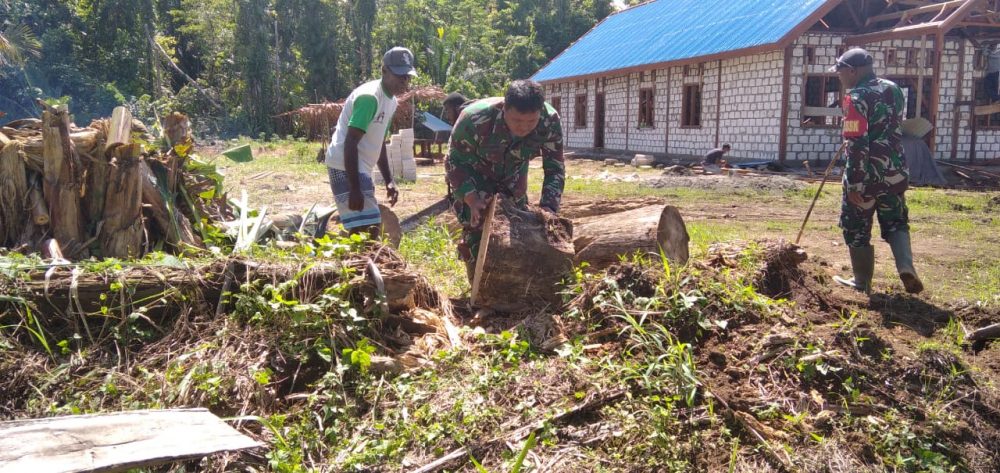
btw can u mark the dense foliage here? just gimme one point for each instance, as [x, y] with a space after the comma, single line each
[253, 59]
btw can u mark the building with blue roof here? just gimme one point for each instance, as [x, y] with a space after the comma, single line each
[681, 77]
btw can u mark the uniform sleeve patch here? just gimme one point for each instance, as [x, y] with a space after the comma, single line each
[855, 124]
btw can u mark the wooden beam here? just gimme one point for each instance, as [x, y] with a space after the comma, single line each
[960, 14]
[895, 33]
[986, 109]
[718, 103]
[914, 11]
[958, 99]
[628, 105]
[936, 90]
[115, 442]
[940, 27]
[783, 126]
[666, 120]
[822, 112]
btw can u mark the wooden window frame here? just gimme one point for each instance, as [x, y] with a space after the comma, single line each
[556, 103]
[580, 116]
[984, 122]
[809, 56]
[834, 121]
[647, 107]
[691, 111]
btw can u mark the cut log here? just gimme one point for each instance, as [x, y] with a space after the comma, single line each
[39, 212]
[119, 129]
[84, 141]
[13, 192]
[121, 234]
[602, 239]
[61, 179]
[986, 333]
[115, 442]
[530, 253]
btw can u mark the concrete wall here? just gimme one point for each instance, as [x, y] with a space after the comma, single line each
[750, 113]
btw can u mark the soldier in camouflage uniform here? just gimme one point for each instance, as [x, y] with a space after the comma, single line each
[491, 144]
[875, 178]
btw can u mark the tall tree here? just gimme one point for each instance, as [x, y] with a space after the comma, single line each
[362, 19]
[252, 54]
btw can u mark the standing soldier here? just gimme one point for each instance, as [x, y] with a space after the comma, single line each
[491, 144]
[875, 178]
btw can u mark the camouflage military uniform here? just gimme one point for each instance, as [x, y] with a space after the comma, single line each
[485, 157]
[876, 166]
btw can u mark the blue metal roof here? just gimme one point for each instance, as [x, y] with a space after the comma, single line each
[672, 30]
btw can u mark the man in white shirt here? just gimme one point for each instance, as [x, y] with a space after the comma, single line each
[358, 143]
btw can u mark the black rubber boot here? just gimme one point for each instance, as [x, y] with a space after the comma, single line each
[903, 253]
[863, 266]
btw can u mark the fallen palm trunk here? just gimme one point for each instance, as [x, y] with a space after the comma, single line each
[602, 240]
[69, 294]
[530, 254]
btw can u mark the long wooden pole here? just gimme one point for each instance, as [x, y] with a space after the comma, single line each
[484, 244]
[820, 190]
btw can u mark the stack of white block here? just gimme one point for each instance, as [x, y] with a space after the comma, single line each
[409, 165]
[399, 150]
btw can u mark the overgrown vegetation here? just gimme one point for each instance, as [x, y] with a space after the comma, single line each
[727, 364]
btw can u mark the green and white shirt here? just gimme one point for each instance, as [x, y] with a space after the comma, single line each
[370, 109]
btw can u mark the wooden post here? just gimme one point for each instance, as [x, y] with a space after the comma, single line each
[955, 123]
[935, 91]
[786, 85]
[975, 120]
[718, 102]
[921, 64]
[666, 119]
[628, 107]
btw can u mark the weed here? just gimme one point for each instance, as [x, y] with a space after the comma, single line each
[431, 248]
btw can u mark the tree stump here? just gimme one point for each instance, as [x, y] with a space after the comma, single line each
[530, 254]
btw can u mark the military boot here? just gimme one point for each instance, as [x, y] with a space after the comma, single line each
[863, 265]
[901, 251]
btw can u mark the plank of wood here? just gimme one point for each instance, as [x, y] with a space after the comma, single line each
[986, 109]
[484, 244]
[115, 442]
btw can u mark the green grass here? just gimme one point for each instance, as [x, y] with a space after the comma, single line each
[432, 250]
[286, 156]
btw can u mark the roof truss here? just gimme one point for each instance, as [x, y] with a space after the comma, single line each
[915, 18]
